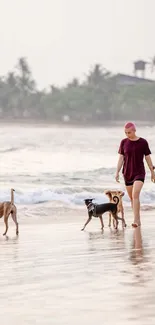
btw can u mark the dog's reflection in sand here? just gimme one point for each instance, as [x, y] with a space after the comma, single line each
[93, 235]
[101, 240]
[114, 233]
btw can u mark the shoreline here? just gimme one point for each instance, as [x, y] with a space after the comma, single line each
[66, 223]
[69, 216]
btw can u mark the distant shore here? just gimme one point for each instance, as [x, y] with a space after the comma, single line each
[39, 122]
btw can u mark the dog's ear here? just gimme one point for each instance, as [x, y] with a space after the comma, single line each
[122, 193]
[107, 192]
[88, 200]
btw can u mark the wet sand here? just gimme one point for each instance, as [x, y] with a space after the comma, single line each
[55, 274]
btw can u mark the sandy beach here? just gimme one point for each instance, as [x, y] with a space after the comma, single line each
[55, 274]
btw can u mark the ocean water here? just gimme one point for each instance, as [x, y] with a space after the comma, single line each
[63, 166]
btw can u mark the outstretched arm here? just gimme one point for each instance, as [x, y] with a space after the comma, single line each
[151, 167]
[119, 167]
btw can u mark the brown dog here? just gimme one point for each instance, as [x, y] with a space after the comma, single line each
[120, 209]
[7, 208]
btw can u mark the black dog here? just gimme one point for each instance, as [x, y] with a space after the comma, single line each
[96, 210]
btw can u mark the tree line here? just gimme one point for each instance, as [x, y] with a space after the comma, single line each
[99, 98]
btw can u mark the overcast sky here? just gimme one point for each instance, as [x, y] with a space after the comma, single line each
[64, 38]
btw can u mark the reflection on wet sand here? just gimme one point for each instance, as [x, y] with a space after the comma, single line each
[78, 277]
[137, 251]
[113, 239]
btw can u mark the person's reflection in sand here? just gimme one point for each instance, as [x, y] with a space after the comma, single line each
[137, 252]
[139, 257]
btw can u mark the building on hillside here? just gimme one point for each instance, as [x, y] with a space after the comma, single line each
[124, 79]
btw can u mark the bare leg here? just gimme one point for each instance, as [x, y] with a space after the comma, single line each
[14, 218]
[89, 219]
[137, 186]
[122, 214]
[109, 219]
[115, 220]
[6, 216]
[102, 224]
[114, 223]
[129, 191]
[6, 224]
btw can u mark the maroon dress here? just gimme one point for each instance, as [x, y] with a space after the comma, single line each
[133, 152]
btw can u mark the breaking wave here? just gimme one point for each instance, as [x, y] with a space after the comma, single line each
[70, 196]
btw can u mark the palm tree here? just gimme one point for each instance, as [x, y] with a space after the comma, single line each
[12, 93]
[26, 86]
[73, 83]
[11, 80]
[25, 80]
[54, 89]
[97, 75]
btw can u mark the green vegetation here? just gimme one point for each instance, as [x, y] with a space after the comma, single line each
[97, 99]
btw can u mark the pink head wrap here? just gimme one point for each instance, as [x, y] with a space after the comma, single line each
[130, 125]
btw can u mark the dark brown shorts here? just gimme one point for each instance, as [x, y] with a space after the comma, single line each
[130, 183]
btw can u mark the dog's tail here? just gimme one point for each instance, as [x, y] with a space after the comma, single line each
[12, 196]
[116, 199]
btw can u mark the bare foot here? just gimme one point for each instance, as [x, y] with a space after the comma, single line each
[136, 224]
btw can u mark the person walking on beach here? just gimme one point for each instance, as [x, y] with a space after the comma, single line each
[131, 153]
